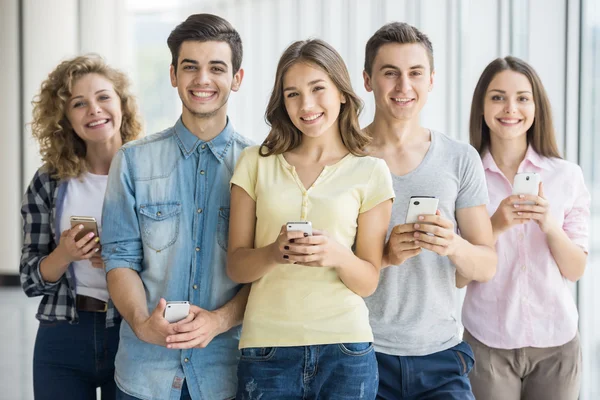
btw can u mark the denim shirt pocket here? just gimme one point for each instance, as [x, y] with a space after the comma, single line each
[223, 228]
[160, 224]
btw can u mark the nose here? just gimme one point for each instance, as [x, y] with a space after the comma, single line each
[94, 108]
[403, 84]
[510, 107]
[201, 78]
[307, 103]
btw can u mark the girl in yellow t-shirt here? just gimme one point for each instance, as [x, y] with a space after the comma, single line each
[306, 330]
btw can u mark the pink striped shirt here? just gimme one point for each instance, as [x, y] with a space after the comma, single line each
[528, 303]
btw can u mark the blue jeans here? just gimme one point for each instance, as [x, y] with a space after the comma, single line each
[438, 376]
[71, 361]
[332, 371]
[185, 394]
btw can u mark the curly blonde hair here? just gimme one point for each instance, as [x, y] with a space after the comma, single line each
[62, 151]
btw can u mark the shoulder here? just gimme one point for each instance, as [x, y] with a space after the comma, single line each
[241, 141]
[155, 139]
[566, 168]
[457, 147]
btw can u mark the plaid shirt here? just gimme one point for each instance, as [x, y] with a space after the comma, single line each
[41, 210]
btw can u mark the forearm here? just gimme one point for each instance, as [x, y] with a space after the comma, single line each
[570, 258]
[53, 267]
[359, 275]
[474, 262]
[232, 313]
[126, 290]
[246, 265]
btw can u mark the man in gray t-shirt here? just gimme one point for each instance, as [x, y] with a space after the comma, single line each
[417, 339]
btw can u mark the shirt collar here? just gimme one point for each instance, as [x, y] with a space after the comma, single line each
[531, 157]
[188, 142]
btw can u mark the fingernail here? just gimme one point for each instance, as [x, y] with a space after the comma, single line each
[416, 242]
[417, 226]
[96, 250]
[519, 213]
[80, 227]
[416, 234]
[168, 340]
[291, 240]
[91, 234]
[521, 196]
[97, 239]
[516, 206]
[286, 256]
[286, 247]
[421, 218]
[305, 234]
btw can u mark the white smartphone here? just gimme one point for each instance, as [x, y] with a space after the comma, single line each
[302, 226]
[421, 205]
[527, 183]
[177, 310]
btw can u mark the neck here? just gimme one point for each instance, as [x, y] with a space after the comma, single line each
[388, 131]
[322, 148]
[99, 156]
[508, 153]
[205, 129]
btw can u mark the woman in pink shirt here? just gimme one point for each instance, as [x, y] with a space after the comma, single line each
[522, 325]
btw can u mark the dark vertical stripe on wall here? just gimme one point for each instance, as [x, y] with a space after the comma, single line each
[78, 5]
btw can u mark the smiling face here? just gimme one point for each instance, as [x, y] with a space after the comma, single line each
[509, 107]
[401, 79]
[311, 99]
[94, 110]
[204, 78]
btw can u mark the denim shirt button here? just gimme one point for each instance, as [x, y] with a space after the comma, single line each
[186, 359]
[195, 287]
[202, 172]
[197, 248]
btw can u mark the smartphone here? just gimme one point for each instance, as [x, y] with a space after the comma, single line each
[302, 226]
[89, 225]
[421, 205]
[177, 310]
[527, 183]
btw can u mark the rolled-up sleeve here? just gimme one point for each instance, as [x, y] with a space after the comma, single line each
[121, 240]
[38, 242]
[577, 219]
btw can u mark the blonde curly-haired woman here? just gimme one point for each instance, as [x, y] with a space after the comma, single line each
[82, 115]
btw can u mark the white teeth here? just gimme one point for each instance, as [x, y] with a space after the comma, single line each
[312, 117]
[203, 94]
[96, 123]
[402, 100]
[509, 121]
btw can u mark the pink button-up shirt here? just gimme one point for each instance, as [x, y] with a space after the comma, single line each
[528, 303]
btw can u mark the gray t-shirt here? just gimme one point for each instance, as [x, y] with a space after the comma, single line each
[412, 313]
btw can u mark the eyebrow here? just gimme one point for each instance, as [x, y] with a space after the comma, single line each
[418, 66]
[81, 97]
[309, 84]
[504, 92]
[211, 62]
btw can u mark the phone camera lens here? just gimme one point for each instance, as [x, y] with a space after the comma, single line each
[416, 203]
[527, 178]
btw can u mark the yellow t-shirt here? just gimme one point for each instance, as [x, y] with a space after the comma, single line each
[294, 305]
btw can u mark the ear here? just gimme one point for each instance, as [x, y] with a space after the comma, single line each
[173, 76]
[342, 99]
[237, 80]
[367, 80]
[431, 79]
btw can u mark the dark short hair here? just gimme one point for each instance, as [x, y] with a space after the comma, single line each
[204, 28]
[541, 136]
[395, 32]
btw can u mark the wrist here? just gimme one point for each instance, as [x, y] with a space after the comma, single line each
[222, 321]
[61, 257]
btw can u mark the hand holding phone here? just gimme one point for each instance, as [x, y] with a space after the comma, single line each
[526, 183]
[175, 311]
[421, 205]
[78, 243]
[300, 226]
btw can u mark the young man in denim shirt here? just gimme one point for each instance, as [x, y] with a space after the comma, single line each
[165, 230]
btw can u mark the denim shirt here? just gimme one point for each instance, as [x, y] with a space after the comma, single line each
[166, 216]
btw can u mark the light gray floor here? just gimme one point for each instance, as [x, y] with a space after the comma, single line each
[18, 327]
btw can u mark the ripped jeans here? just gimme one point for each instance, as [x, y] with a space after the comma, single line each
[331, 371]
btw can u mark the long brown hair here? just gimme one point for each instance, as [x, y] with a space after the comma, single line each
[541, 135]
[284, 135]
[62, 151]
